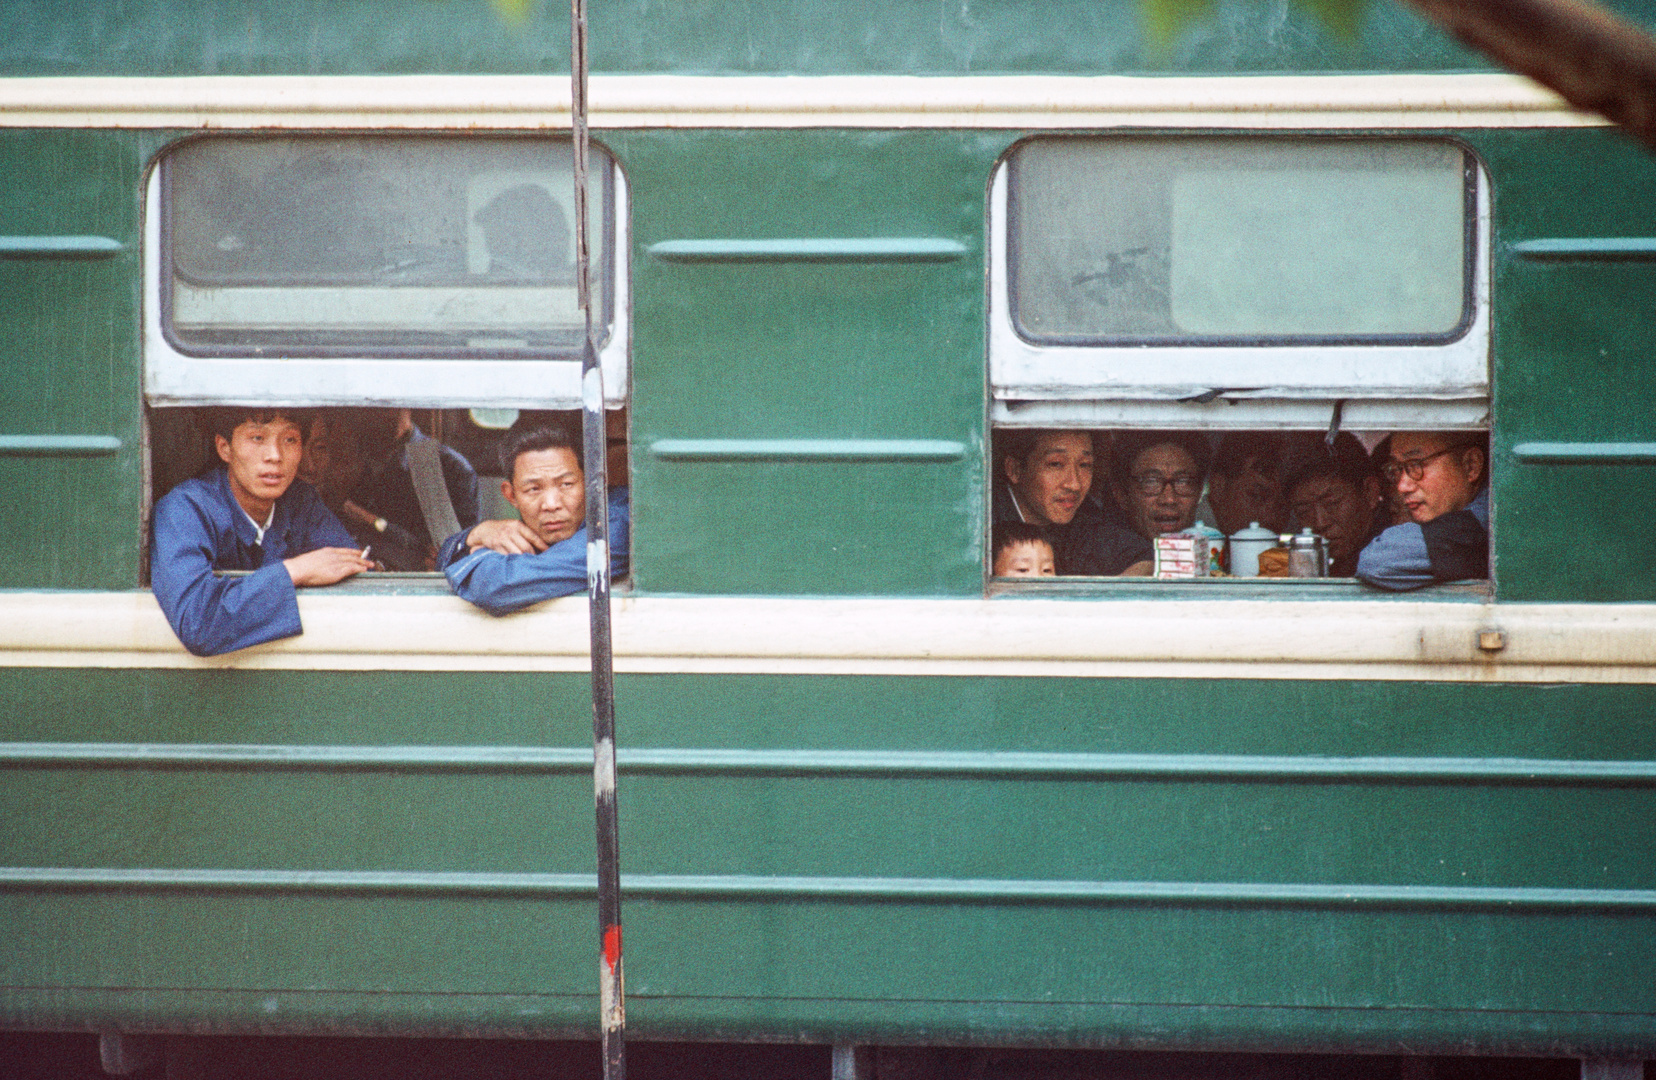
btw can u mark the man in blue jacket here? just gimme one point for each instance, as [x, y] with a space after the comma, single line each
[502, 566]
[1442, 482]
[250, 514]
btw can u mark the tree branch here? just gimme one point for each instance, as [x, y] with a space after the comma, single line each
[1594, 59]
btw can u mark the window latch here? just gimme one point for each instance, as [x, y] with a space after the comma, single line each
[1213, 393]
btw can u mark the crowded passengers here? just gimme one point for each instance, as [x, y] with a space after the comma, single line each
[232, 545]
[370, 490]
[1413, 511]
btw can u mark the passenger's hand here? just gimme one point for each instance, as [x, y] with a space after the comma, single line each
[506, 537]
[324, 566]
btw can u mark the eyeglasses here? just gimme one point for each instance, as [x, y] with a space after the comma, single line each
[1393, 470]
[1155, 483]
[1415, 467]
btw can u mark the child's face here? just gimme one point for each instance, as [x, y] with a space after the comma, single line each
[1030, 558]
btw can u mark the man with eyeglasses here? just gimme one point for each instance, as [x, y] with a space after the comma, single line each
[1442, 482]
[1158, 479]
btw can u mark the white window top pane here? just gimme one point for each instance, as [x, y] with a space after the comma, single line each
[412, 270]
[393, 245]
[1179, 276]
[1204, 239]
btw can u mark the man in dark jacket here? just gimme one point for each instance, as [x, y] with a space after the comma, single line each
[1044, 479]
[389, 488]
[1334, 490]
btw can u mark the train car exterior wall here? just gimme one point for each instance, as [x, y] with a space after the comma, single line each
[861, 801]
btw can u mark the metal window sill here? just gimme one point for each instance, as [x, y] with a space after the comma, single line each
[1115, 588]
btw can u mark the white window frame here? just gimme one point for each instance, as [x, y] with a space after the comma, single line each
[175, 378]
[1380, 386]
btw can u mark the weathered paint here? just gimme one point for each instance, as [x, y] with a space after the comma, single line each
[1263, 823]
[782, 36]
[1043, 102]
[1129, 631]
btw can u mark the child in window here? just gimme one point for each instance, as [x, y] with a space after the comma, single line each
[1022, 550]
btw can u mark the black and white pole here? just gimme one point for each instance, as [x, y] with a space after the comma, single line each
[612, 1004]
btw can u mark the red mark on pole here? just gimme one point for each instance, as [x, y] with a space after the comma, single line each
[612, 946]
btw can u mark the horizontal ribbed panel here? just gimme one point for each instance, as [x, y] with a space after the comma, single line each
[502, 759]
[754, 887]
[1586, 453]
[807, 449]
[58, 445]
[812, 249]
[1635, 248]
[58, 247]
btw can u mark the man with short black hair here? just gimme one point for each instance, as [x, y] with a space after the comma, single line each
[1334, 491]
[502, 566]
[1442, 481]
[1244, 483]
[1043, 479]
[247, 514]
[1158, 477]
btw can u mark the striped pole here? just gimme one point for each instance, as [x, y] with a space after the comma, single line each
[612, 1007]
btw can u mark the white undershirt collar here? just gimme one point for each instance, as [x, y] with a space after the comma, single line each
[258, 529]
[1012, 491]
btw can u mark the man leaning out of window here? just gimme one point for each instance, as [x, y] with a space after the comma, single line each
[1441, 481]
[502, 566]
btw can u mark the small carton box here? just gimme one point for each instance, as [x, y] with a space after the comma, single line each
[1182, 555]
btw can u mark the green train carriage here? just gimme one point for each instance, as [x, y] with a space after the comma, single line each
[869, 795]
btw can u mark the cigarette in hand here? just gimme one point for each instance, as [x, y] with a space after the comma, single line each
[365, 552]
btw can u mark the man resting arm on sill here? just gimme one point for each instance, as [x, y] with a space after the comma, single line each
[502, 566]
[248, 514]
[1442, 481]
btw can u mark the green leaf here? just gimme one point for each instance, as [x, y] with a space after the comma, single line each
[1343, 18]
[1164, 20]
[512, 11]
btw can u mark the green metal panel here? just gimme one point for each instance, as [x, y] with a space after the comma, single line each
[1574, 361]
[259, 37]
[70, 464]
[860, 350]
[986, 952]
[1573, 296]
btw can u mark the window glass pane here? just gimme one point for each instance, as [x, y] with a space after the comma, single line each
[1232, 239]
[379, 246]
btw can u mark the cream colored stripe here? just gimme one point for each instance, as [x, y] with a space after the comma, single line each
[629, 101]
[1090, 637]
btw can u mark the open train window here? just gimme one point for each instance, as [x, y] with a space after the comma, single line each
[367, 465]
[1177, 320]
[348, 270]
[1240, 282]
[1398, 510]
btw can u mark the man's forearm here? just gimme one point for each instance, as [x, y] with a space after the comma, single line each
[501, 584]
